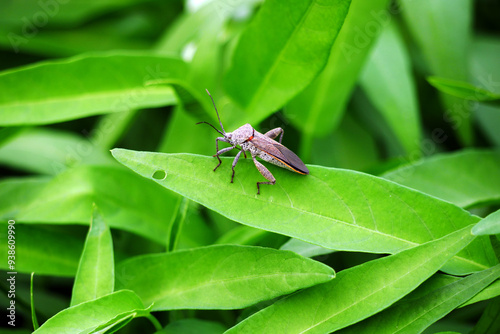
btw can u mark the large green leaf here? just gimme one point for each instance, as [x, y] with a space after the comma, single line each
[356, 293]
[112, 309]
[125, 200]
[318, 109]
[405, 317]
[263, 79]
[218, 277]
[95, 276]
[62, 90]
[333, 208]
[465, 178]
[388, 81]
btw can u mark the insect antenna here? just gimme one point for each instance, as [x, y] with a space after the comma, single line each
[219, 131]
[217, 112]
[223, 131]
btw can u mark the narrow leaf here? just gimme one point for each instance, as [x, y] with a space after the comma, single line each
[125, 201]
[463, 90]
[86, 317]
[218, 277]
[56, 91]
[388, 81]
[404, 317]
[261, 82]
[318, 109]
[490, 292]
[34, 319]
[365, 289]
[489, 225]
[95, 275]
[334, 208]
[476, 171]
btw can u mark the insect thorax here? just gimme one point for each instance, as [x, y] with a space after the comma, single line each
[241, 134]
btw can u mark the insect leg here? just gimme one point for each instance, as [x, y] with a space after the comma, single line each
[265, 172]
[224, 150]
[274, 133]
[235, 161]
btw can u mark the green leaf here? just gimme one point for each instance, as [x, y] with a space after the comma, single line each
[365, 290]
[466, 178]
[42, 250]
[404, 317]
[125, 200]
[443, 35]
[488, 225]
[463, 90]
[318, 109]
[44, 151]
[89, 316]
[218, 277]
[334, 208]
[56, 91]
[388, 81]
[261, 80]
[95, 275]
[490, 292]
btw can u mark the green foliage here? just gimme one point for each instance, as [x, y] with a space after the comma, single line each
[109, 197]
[215, 279]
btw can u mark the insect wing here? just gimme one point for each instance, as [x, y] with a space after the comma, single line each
[280, 153]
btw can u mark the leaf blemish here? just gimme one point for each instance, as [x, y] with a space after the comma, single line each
[160, 175]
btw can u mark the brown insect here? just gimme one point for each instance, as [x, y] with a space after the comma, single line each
[259, 145]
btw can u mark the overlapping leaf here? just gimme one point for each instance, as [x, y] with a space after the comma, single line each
[124, 199]
[356, 293]
[263, 79]
[357, 212]
[218, 277]
[62, 90]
